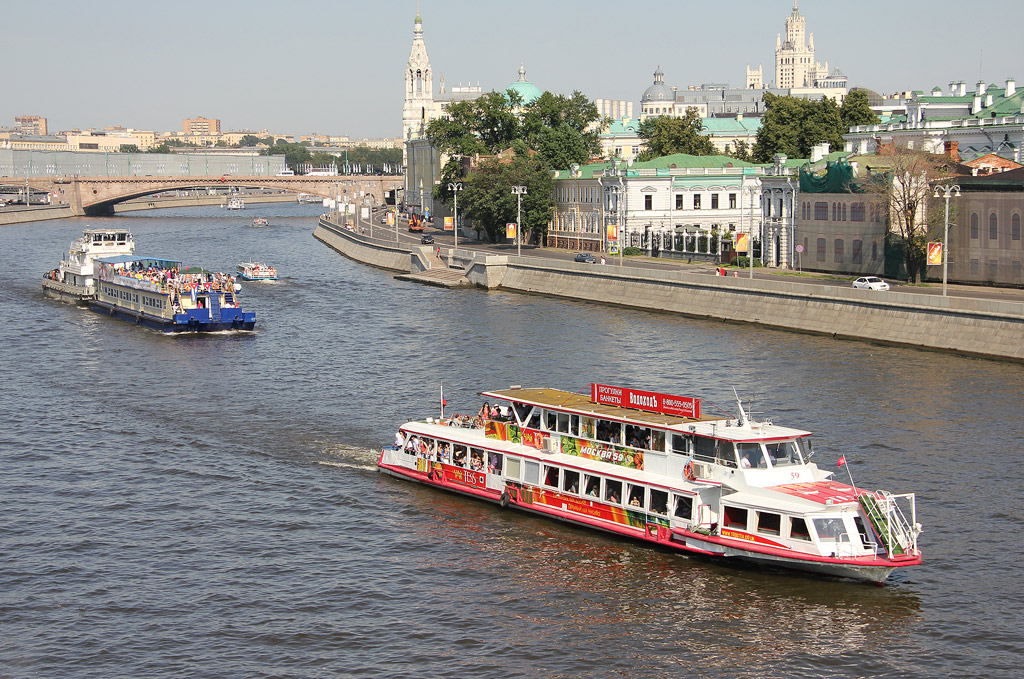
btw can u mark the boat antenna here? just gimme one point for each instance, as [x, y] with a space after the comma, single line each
[744, 422]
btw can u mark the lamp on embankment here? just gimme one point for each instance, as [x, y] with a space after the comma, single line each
[519, 191]
[947, 191]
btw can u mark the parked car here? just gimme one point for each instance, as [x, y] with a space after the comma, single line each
[871, 283]
[584, 257]
[427, 240]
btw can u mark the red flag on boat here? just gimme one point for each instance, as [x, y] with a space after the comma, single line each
[841, 461]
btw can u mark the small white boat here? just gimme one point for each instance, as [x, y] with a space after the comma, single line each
[261, 221]
[257, 271]
[236, 203]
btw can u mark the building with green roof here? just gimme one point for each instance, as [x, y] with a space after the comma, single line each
[961, 123]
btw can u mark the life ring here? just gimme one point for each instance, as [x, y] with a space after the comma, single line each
[505, 500]
[688, 472]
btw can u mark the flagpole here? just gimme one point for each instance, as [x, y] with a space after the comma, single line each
[442, 401]
[843, 463]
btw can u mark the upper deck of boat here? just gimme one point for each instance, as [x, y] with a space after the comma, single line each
[582, 404]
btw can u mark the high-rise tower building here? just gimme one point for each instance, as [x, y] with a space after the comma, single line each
[419, 86]
[794, 57]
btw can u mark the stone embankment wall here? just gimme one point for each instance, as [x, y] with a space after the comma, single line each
[362, 248]
[970, 326]
[37, 214]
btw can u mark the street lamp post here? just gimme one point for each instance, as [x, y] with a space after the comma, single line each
[519, 191]
[751, 191]
[947, 191]
[455, 187]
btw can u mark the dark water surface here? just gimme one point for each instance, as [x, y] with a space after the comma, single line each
[209, 507]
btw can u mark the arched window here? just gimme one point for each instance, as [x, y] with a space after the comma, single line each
[993, 227]
[974, 225]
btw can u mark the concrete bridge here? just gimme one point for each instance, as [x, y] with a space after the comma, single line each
[98, 195]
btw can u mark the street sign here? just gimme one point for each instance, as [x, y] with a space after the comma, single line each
[613, 249]
[799, 248]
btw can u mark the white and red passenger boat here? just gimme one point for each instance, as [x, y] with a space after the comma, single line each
[654, 467]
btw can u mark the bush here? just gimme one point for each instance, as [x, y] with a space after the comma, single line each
[744, 263]
[630, 251]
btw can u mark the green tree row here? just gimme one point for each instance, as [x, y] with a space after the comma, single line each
[520, 145]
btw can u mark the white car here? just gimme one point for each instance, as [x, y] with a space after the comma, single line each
[871, 283]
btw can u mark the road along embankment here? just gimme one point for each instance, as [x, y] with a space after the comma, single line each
[979, 327]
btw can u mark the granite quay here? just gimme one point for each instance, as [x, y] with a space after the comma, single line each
[979, 327]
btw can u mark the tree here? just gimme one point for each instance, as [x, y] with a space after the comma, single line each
[741, 151]
[665, 136]
[487, 197]
[792, 126]
[294, 154]
[251, 140]
[903, 185]
[162, 148]
[557, 128]
[856, 110]
[129, 148]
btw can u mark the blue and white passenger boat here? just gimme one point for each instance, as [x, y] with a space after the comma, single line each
[160, 294]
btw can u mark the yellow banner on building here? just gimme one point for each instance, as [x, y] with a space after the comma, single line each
[741, 242]
[934, 254]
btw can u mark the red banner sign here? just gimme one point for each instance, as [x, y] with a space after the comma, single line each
[681, 406]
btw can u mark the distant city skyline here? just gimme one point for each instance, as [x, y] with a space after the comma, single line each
[336, 67]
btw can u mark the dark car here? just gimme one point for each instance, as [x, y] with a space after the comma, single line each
[427, 240]
[584, 257]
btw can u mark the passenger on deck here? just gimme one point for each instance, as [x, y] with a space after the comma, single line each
[399, 440]
[476, 461]
[485, 410]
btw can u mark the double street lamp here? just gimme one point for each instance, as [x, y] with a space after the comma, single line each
[519, 191]
[455, 187]
[947, 191]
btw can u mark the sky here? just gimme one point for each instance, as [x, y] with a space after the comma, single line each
[336, 66]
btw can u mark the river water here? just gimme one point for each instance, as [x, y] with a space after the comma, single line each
[209, 506]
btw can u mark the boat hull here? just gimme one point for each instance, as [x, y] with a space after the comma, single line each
[65, 292]
[257, 278]
[181, 322]
[874, 571]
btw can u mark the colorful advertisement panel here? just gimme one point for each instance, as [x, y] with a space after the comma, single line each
[680, 406]
[510, 230]
[533, 438]
[449, 224]
[741, 242]
[934, 254]
[592, 450]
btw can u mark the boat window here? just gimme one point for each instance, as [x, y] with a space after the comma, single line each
[571, 481]
[659, 502]
[532, 472]
[459, 455]
[707, 448]
[638, 437]
[444, 452]
[512, 468]
[865, 535]
[735, 517]
[830, 529]
[658, 440]
[593, 485]
[798, 529]
[476, 459]
[636, 495]
[680, 444]
[427, 446]
[522, 412]
[587, 425]
[613, 491]
[494, 461]
[551, 420]
[609, 431]
[550, 476]
[563, 423]
[534, 421]
[751, 456]
[769, 522]
[684, 506]
[783, 453]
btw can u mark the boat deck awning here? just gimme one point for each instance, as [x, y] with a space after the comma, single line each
[140, 259]
[583, 405]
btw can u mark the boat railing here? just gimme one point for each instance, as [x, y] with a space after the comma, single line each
[897, 532]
